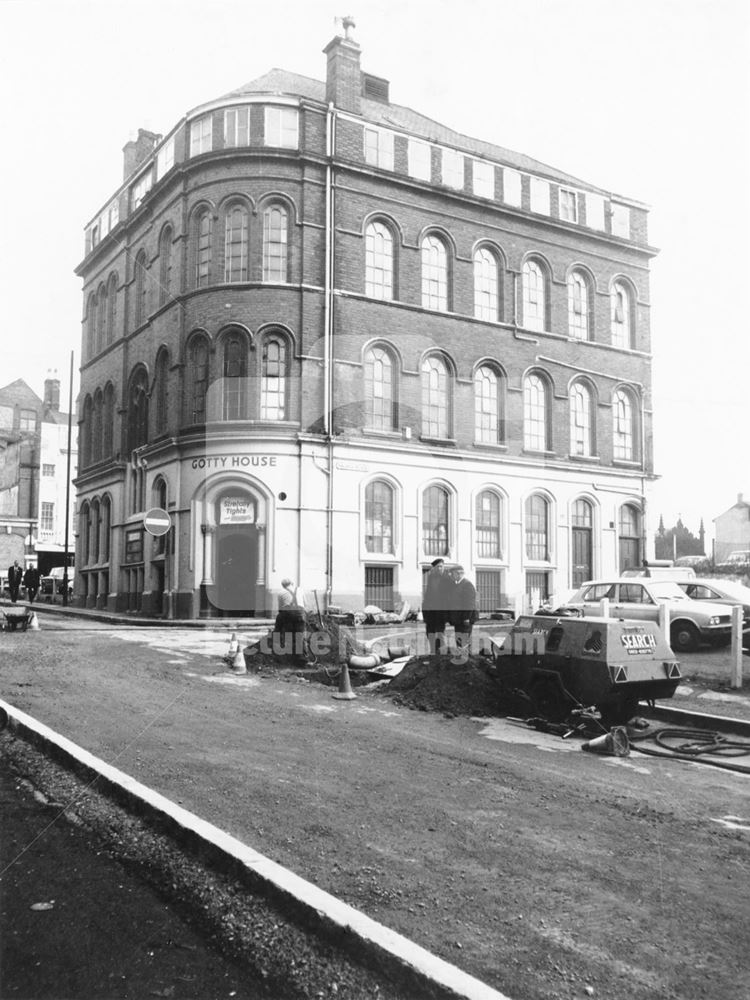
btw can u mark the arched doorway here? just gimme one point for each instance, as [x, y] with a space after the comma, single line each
[235, 570]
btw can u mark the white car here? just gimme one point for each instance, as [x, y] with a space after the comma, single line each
[638, 598]
[722, 592]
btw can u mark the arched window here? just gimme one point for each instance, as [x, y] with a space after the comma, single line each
[108, 428]
[235, 244]
[378, 261]
[165, 265]
[87, 432]
[162, 391]
[95, 525]
[488, 415]
[380, 396]
[379, 503]
[621, 310]
[83, 533]
[486, 298]
[537, 528]
[159, 495]
[101, 318]
[273, 379]
[629, 535]
[197, 379]
[535, 296]
[91, 316]
[435, 523]
[97, 426]
[105, 515]
[434, 273]
[111, 308]
[138, 409]
[536, 416]
[623, 420]
[582, 521]
[581, 420]
[437, 417]
[234, 371]
[203, 248]
[488, 524]
[579, 325]
[141, 292]
[275, 243]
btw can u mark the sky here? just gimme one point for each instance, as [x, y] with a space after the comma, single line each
[649, 99]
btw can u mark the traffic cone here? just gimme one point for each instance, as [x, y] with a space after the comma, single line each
[238, 662]
[614, 743]
[33, 625]
[233, 647]
[344, 692]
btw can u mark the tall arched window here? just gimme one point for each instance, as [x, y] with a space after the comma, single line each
[578, 306]
[537, 528]
[629, 536]
[275, 243]
[235, 244]
[138, 409]
[434, 273]
[203, 248]
[95, 527]
[437, 417]
[97, 426]
[273, 379]
[87, 432]
[623, 419]
[536, 416]
[162, 391]
[380, 397]
[378, 261]
[581, 420]
[105, 514]
[379, 503]
[234, 371]
[83, 533]
[91, 317]
[486, 298]
[111, 308]
[197, 379]
[101, 318]
[621, 310]
[435, 523]
[488, 524]
[141, 291]
[108, 428]
[165, 265]
[488, 415]
[535, 296]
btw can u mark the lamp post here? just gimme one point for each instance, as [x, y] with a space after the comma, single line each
[67, 486]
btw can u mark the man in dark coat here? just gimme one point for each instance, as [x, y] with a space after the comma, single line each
[15, 575]
[464, 608]
[31, 583]
[436, 604]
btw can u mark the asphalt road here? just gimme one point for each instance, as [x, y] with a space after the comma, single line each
[541, 870]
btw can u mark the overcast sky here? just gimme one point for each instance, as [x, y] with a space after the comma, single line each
[650, 99]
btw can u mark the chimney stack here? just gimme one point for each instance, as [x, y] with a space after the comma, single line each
[52, 392]
[138, 150]
[343, 74]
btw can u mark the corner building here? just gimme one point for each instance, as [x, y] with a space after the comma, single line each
[335, 339]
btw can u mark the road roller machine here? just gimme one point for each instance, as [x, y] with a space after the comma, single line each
[553, 666]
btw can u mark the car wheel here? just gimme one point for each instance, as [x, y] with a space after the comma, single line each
[685, 637]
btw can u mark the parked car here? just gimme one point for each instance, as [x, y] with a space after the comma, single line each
[693, 561]
[737, 560]
[690, 621]
[721, 592]
[661, 570]
[52, 583]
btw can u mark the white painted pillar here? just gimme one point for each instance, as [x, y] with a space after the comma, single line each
[737, 616]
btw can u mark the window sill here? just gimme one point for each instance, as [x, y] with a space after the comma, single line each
[593, 459]
[426, 439]
[378, 432]
[541, 452]
[486, 446]
[626, 463]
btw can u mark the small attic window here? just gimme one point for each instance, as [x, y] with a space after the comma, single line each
[375, 88]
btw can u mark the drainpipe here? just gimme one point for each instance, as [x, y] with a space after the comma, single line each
[328, 343]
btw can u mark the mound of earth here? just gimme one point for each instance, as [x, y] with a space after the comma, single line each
[449, 685]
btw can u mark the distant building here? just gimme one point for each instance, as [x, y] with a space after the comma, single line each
[336, 339]
[33, 465]
[732, 530]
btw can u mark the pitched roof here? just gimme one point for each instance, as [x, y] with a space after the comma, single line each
[19, 392]
[281, 82]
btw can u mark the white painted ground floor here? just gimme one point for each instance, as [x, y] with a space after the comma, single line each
[353, 523]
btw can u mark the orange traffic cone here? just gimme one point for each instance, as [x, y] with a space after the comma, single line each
[344, 692]
[614, 743]
[238, 662]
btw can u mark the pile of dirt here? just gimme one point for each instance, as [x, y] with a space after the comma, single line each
[448, 684]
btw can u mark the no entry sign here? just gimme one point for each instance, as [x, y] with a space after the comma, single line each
[157, 521]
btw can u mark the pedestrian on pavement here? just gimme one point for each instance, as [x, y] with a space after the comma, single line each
[31, 583]
[436, 604]
[15, 576]
[464, 608]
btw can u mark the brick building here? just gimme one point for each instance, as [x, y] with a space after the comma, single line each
[732, 530]
[335, 339]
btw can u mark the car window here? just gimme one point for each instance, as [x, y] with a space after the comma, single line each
[633, 593]
[598, 591]
[701, 593]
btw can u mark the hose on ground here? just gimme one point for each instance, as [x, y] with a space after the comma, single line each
[702, 745]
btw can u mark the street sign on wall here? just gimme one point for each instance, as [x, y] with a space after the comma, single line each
[157, 521]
